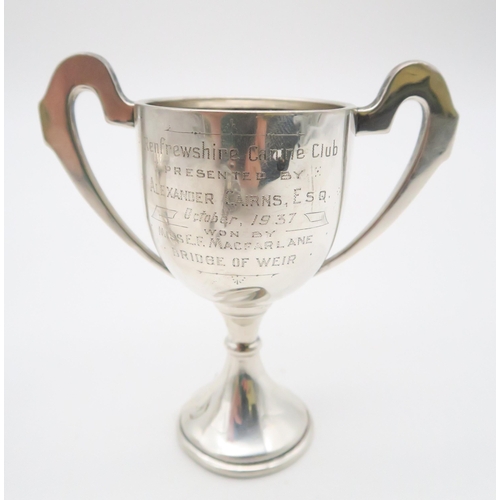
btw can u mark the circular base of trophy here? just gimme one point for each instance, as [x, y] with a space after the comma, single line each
[256, 467]
[243, 424]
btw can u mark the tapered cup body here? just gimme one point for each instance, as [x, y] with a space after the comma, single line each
[243, 196]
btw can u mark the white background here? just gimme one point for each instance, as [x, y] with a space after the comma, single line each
[393, 352]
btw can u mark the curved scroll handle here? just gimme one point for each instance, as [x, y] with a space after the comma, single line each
[420, 81]
[77, 73]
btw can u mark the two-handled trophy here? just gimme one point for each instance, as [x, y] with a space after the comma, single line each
[243, 200]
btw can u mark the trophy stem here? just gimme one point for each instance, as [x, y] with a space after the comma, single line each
[244, 424]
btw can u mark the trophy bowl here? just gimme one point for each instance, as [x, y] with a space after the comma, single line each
[243, 200]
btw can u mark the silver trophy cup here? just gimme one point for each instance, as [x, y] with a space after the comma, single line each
[243, 200]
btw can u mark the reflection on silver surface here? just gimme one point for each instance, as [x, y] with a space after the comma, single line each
[243, 198]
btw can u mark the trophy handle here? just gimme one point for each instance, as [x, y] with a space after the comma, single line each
[72, 76]
[422, 82]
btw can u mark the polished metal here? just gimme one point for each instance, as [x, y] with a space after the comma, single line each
[243, 199]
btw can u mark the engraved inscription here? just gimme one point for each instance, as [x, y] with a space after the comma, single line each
[213, 152]
[220, 242]
[210, 173]
[181, 194]
[247, 202]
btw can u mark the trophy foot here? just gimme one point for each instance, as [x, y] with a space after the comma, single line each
[243, 424]
[253, 469]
